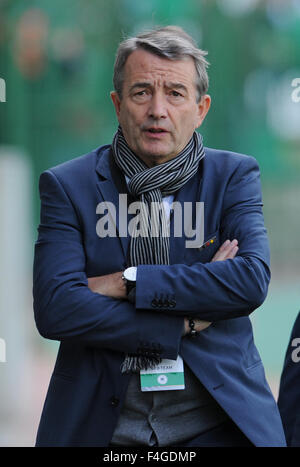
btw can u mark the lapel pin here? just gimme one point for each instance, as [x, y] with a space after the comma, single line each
[208, 243]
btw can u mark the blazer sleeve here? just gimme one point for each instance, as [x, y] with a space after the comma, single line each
[65, 309]
[222, 289]
[289, 393]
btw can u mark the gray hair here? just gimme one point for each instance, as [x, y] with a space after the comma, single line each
[170, 42]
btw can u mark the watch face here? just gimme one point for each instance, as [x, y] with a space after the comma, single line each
[130, 274]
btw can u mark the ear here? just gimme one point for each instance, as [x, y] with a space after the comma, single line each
[203, 108]
[116, 101]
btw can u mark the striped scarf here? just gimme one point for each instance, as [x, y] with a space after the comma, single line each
[149, 185]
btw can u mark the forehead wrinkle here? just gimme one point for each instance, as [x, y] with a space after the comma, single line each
[148, 80]
[145, 69]
[175, 85]
[141, 60]
[159, 72]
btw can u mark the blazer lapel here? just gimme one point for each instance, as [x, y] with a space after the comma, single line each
[190, 192]
[111, 184]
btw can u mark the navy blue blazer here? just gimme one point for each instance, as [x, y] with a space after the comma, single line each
[289, 390]
[87, 388]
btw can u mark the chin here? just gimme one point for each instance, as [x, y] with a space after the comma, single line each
[155, 151]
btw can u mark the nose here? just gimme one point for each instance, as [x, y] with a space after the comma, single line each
[157, 107]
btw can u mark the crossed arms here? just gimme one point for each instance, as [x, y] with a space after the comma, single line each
[112, 285]
[68, 309]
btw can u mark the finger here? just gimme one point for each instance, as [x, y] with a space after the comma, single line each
[224, 245]
[225, 250]
[232, 253]
[218, 256]
[227, 246]
[231, 247]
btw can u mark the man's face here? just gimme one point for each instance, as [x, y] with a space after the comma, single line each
[158, 111]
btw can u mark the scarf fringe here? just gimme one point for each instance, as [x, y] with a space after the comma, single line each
[134, 364]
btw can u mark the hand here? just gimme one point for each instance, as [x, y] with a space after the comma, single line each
[200, 325]
[228, 250]
[111, 285]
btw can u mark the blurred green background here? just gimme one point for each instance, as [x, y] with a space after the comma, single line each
[57, 60]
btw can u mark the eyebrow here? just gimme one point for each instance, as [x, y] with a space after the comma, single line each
[148, 85]
[177, 86]
[139, 85]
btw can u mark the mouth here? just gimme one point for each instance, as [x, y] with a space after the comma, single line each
[155, 132]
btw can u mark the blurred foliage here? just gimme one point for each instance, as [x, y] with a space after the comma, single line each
[57, 59]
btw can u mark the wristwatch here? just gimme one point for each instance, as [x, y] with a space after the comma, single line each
[129, 276]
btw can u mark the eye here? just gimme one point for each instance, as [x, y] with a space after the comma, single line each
[175, 93]
[176, 96]
[141, 95]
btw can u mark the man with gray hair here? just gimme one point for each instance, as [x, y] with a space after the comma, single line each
[151, 254]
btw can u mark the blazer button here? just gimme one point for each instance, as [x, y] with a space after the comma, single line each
[114, 401]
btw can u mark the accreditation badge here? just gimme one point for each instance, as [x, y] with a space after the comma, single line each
[166, 376]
